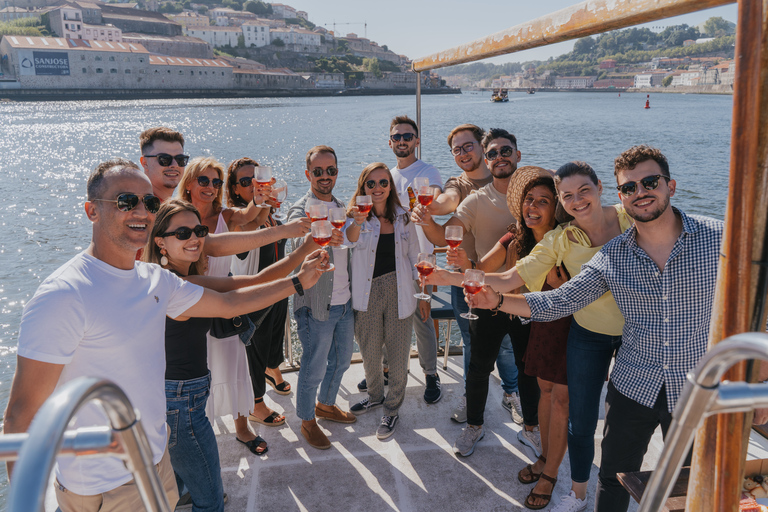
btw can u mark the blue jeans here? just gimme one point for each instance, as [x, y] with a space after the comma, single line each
[192, 443]
[505, 361]
[587, 360]
[326, 354]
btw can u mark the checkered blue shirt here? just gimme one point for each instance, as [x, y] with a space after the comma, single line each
[666, 314]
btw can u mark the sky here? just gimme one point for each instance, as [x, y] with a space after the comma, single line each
[418, 28]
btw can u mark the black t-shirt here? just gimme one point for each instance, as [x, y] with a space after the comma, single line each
[385, 255]
[186, 348]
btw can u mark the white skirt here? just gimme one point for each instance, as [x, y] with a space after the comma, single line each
[231, 390]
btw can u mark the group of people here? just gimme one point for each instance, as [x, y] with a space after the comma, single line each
[634, 281]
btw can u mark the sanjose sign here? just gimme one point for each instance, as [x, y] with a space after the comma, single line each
[45, 63]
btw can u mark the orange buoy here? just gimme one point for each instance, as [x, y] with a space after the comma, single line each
[648, 101]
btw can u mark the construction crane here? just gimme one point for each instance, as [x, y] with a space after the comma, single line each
[365, 25]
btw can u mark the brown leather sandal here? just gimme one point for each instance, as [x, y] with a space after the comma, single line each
[546, 497]
[527, 476]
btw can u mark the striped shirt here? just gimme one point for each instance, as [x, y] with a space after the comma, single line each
[667, 314]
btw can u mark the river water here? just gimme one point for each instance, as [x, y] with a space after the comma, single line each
[49, 148]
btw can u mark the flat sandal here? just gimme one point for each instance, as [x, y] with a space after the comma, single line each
[532, 477]
[546, 497]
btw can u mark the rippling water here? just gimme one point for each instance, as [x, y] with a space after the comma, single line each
[48, 149]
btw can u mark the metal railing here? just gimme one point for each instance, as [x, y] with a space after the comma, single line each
[36, 450]
[704, 395]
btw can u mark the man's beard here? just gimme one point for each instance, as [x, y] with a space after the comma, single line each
[663, 204]
[404, 153]
[501, 174]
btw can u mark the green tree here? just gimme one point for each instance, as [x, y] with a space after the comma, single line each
[372, 65]
[241, 41]
[716, 25]
[583, 46]
[203, 9]
[278, 42]
[667, 81]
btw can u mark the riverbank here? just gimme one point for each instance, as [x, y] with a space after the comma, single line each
[700, 89]
[159, 94]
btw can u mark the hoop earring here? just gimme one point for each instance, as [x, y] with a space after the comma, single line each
[163, 260]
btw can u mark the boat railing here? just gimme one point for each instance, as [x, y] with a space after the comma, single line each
[704, 395]
[36, 451]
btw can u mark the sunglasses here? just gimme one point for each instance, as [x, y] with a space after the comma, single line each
[464, 148]
[127, 202]
[331, 171]
[204, 181]
[506, 152]
[371, 184]
[407, 137]
[165, 159]
[185, 233]
[244, 182]
[648, 183]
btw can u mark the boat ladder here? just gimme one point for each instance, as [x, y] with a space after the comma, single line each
[36, 451]
[705, 395]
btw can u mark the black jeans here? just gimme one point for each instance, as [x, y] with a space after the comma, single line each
[627, 432]
[486, 334]
[266, 348]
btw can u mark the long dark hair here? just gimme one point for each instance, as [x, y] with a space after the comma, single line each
[525, 240]
[233, 198]
[163, 218]
[393, 200]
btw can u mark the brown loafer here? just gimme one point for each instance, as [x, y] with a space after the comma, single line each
[314, 435]
[333, 413]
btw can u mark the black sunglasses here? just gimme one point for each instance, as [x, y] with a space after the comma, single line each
[245, 182]
[204, 181]
[371, 184]
[127, 202]
[185, 233]
[648, 183]
[464, 148]
[407, 137]
[331, 171]
[165, 159]
[506, 152]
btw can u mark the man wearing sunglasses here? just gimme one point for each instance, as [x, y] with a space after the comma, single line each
[662, 272]
[404, 139]
[102, 314]
[163, 160]
[324, 314]
[485, 215]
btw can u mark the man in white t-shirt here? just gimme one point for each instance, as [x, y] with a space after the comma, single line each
[102, 314]
[324, 317]
[404, 139]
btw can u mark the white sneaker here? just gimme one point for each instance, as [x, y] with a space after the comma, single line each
[512, 404]
[470, 436]
[459, 414]
[570, 503]
[531, 439]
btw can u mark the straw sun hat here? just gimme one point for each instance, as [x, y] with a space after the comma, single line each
[521, 180]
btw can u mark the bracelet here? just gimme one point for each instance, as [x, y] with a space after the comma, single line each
[254, 201]
[474, 265]
[297, 286]
[498, 306]
[358, 225]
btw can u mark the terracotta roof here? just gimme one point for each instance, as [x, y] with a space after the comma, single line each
[59, 43]
[187, 61]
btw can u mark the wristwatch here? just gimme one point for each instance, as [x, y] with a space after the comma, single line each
[297, 286]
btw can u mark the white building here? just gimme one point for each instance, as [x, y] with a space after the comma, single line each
[649, 80]
[67, 22]
[216, 36]
[102, 33]
[190, 19]
[574, 82]
[256, 33]
[297, 36]
[16, 13]
[303, 15]
[283, 11]
[687, 79]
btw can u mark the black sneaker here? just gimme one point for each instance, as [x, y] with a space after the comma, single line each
[365, 405]
[387, 427]
[362, 386]
[433, 394]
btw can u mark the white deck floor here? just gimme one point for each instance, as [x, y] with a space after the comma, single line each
[415, 469]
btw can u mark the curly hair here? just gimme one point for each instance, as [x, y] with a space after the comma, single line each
[233, 198]
[629, 159]
[525, 240]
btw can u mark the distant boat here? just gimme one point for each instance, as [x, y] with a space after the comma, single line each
[531, 90]
[499, 95]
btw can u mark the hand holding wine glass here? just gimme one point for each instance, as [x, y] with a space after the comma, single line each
[279, 194]
[263, 178]
[453, 237]
[425, 266]
[473, 283]
[322, 231]
[364, 205]
[318, 212]
[337, 218]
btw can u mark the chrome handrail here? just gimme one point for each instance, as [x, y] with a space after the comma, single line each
[704, 395]
[47, 436]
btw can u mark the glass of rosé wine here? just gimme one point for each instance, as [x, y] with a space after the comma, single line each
[453, 237]
[337, 218]
[322, 231]
[425, 266]
[279, 194]
[364, 205]
[263, 177]
[473, 283]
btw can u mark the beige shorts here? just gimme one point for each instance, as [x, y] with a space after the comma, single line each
[125, 498]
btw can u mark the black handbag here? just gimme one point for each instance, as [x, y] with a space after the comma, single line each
[240, 325]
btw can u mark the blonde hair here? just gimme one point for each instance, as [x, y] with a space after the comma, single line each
[195, 168]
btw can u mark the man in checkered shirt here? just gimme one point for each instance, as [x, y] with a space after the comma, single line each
[662, 273]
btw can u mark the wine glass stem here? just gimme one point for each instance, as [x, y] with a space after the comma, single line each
[424, 288]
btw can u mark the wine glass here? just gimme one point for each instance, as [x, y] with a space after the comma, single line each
[337, 218]
[322, 231]
[318, 212]
[473, 283]
[425, 266]
[279, 193]
[364, 205]
[453, 237]
[420, 181]
[263, 177]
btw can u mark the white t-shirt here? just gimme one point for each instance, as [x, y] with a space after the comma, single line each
[101, 321]
[403, 178]
[341, 292]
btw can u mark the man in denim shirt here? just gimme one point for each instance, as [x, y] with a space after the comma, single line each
[323, 314]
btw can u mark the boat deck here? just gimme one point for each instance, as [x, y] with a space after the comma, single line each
[415, 469]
